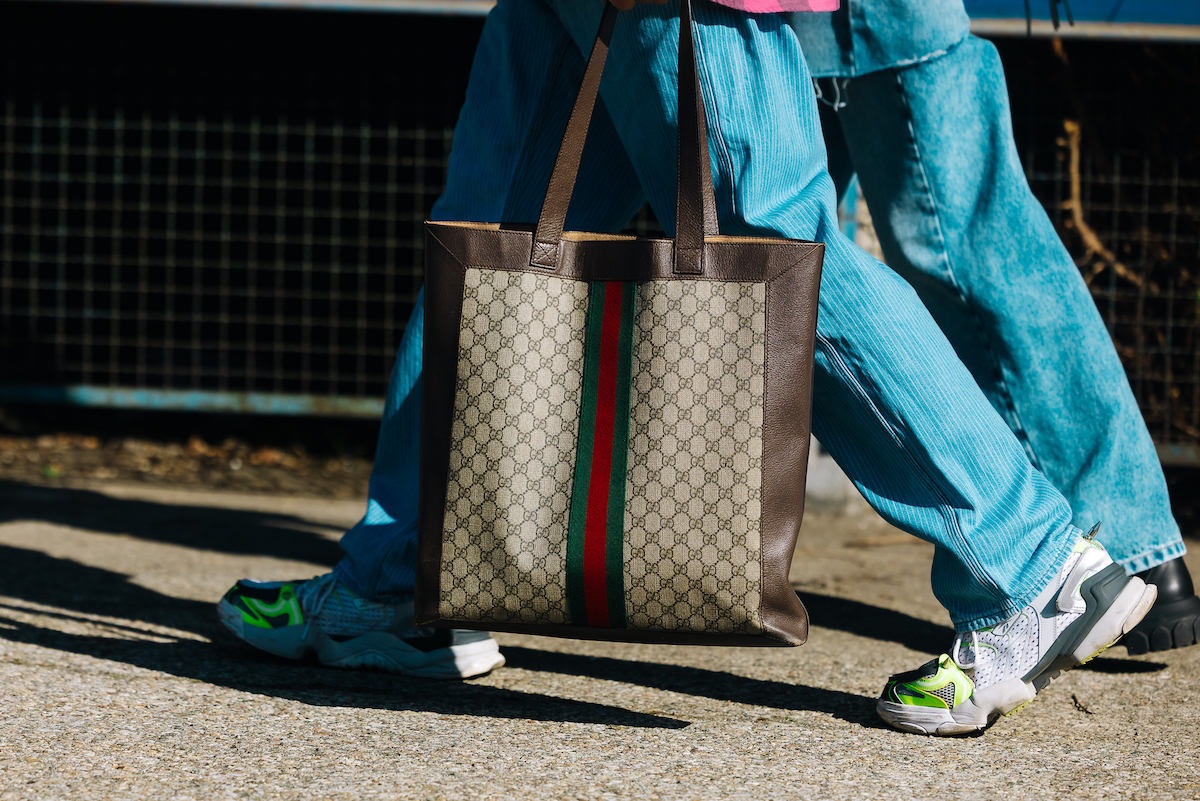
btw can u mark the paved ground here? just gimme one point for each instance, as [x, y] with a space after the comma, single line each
[116, 682]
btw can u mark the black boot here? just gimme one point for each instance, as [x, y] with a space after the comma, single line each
[1174, 620]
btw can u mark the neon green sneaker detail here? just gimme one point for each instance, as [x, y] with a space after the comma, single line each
[996, 670]
[322, 616]
[939, 683]
[267, 605]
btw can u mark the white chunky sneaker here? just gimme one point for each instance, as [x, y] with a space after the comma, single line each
[292, 618]
[998, 670]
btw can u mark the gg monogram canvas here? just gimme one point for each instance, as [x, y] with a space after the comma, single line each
[579, 494]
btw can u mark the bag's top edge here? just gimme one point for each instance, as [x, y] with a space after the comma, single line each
[590, 236]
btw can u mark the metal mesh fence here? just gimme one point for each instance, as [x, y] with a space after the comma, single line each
[218, 200]
[243, 243]
[1146, 216]
[186, 252]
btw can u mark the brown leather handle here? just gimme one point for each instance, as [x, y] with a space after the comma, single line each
[695, 207]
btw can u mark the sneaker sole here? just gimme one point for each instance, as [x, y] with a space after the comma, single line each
[371, 651]
[1011, 695]
[381, 651]
[289, 642]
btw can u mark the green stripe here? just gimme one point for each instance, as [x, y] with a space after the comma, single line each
[576, 603]
[615, 540]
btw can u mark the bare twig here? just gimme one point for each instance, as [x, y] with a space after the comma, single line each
[1079, 705]
[1091, 242]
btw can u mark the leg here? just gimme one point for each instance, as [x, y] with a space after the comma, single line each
[892, 403]
[361, 615]
[934, 151]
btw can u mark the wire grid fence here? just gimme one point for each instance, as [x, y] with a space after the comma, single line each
[1146, 214]
[232, 254]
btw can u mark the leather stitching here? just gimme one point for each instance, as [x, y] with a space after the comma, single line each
[545, 255]
[442, 245]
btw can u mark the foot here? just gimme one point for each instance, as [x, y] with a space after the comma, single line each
[998, 670]
[1174, 620]
[293, 618]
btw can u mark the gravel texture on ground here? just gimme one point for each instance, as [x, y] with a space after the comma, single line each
[60, 459]
[314, 457]
[117, 682]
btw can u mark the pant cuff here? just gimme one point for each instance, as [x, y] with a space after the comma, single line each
[1153, 557]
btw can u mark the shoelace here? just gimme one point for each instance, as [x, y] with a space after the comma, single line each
[318, 589]
[1064, 602]
[353, 615]
[957, 646]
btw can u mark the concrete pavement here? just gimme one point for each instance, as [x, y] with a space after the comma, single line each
[117, 682]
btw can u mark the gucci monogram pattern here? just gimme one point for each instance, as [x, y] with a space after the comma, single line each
[694, 484]
[694, 481]
[512, 456]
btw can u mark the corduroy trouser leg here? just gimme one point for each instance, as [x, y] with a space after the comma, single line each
[892, 402]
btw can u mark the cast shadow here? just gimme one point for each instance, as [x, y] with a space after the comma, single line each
[700, 682]
[876, 623]
[79, 594]
[36, 584]
[202, 527]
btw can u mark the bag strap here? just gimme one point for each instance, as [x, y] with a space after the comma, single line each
[695, 206]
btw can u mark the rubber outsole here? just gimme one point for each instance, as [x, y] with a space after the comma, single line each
[372, 651]
[1165, 627]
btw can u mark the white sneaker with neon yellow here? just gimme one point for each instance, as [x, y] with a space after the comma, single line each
[998, 670]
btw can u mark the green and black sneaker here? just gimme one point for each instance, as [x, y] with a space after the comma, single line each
[324, 616]
[998, 670]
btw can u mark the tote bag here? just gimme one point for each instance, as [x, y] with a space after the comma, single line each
[615, 429]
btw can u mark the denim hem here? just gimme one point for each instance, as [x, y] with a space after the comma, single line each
[1015, 605]
[1153, 557]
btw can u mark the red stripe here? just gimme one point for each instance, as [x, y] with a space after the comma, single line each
[596, 528]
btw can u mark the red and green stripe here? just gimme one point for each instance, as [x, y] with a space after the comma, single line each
[596, 527]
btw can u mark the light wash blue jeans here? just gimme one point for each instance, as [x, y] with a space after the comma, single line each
[933, 147]
[892, 402]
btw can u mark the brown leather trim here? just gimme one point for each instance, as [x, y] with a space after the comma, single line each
[621, 635]
[444, 276]
[727, 258]
[791, 327]
[553, 215]
[695, 206]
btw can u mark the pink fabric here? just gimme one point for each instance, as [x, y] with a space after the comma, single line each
[775, 6]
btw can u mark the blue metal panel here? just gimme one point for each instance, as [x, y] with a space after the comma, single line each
[193, 400]
[1154, 12]
[1176, 20]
